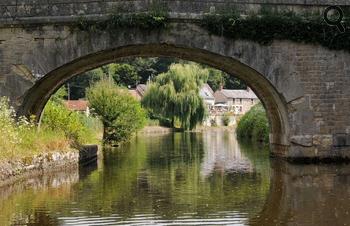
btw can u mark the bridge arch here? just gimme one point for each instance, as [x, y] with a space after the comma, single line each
[36, 97]
[303, 87]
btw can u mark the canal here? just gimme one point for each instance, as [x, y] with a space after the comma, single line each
[204, 178]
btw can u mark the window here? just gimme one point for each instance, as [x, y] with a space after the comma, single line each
[240, 100]
[252, 100]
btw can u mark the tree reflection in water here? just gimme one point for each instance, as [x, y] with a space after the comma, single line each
[186, 178]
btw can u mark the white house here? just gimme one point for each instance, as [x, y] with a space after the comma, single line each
[236, 101]
[207, 95]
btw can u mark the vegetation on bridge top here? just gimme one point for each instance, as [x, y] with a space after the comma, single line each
[150, 20]
[267, 26]
[262, 27]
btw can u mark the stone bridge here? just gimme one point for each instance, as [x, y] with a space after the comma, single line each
[304, 88]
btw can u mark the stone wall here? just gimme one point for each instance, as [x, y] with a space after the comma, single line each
[46, 163]
[24, 10]
[306, 195]
[13, 170]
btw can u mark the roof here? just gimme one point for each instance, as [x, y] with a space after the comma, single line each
[76, 105]
[206, 92]
[207, 87]
[141, 88]
[135, 94]
[238, 93]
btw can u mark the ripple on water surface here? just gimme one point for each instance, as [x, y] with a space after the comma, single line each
[172, 179]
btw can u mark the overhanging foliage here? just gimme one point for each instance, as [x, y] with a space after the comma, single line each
[268, 26]
[151, 20]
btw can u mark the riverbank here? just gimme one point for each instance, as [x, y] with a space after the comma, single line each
[14, 170]
[155, 130]
[214, 128]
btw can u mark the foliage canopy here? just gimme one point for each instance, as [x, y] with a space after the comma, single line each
[175, 94]
[120, 113]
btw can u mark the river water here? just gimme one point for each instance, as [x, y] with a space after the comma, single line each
[183, 179]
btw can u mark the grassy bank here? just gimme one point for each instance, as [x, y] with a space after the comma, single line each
[254, 125]
[61, 130]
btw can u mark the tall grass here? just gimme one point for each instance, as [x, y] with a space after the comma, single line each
[77, 127]
[254, 125]
[61, 130]
[20, 138]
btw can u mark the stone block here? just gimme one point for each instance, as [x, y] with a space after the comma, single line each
[302, 140]
[341, 140]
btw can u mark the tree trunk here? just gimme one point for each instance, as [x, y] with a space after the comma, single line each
[173, 122]
[105, 133]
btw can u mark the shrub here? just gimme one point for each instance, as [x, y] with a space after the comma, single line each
[254, 125]
[226, 119]
[120, 113]
[213, 122]
[57, 117]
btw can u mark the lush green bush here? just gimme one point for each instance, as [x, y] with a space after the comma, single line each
[226, 119]
[57, 117]
[254, 125]
[120, 113]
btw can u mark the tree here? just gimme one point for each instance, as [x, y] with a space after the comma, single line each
[215, 79]
[124, 74]
[232, 82]
[132, 71]
[175, 95]
[219, 78]
[60, 95]
[77, 85]
[120, 113]
[150, 67]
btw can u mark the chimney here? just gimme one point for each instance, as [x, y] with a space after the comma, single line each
[248, 89]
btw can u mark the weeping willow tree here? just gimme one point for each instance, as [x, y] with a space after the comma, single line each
[175, 95]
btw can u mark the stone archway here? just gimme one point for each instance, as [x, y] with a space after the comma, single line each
[37, 96]
[306, 95]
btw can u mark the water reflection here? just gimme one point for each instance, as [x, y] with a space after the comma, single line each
[307, 195]
[31, 201]
[184, 179]
[223, 154]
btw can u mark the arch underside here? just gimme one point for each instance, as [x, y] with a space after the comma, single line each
[36, 97]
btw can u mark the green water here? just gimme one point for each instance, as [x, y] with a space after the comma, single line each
[183, 179]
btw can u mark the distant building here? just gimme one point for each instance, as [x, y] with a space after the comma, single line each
[139, 91]
[78, 105]
[236, 101]
[207, 95]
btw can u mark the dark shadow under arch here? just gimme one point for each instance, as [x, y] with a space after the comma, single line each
[36, 97]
